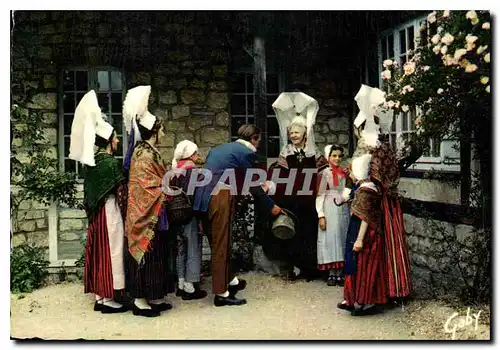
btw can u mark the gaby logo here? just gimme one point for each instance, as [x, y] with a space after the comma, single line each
[227, 179]
[456, 322]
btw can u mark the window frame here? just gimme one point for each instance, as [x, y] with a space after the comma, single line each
[279, 73]
[91, 85]
[424, 163]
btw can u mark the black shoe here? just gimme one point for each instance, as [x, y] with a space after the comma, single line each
[144, 312]
[179, 293]
[161, 307]
[340, 281]
[228, 301]
[97, 306]
[113, 310]
[197, 294]
[344, 306]
[372, 310]
[331, 281]
[235, 289]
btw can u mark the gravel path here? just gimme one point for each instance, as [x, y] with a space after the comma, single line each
[275, 311]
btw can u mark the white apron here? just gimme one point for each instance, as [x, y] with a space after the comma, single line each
[114, 223]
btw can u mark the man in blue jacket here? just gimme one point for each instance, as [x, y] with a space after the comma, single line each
[215, 202]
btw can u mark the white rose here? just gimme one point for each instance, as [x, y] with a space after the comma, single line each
[472, 15]
[386, 75]
[444, 50]
[487, 58]
[387, 63]
[409, 68]
[437, 49]
[486, 25]
[390, 104]
[447, 39]
[471, 38]
[470, 68]
[481, 49]
[426, 68]
[485, 80]
[397, 104]
[436, 39]
[431, 18]
[405, 108]
[440, 91]
[446, 13]
[488, 89]
[459, 53]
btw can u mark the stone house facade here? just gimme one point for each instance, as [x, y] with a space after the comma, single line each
[202, 86]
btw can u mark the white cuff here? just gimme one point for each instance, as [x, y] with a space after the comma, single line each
[346, 193]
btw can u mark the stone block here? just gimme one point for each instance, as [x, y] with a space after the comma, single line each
[338, 124]
[27, 226]
[72, 214]
[39, 238]
[49, 118]
[70, 224]
[18, 239]
[198, 84]
[41, 224]
[465, 235]
[342, 139]
[418, 260]
[184, 136]
[45, 53]
[220, 71]
[192, 96]
[50, 136]
[180, 111]
[44, 101]
[329, 102]
[319, 138]
[187, 71]
[140, 78]
[218, 85]
[168, 140]
[168, 98]
[222, 119]
[34, 214]
[70, 236]
[194, 124]
[331, 138]
[49, 81]
[174, 126]
[178, 84]
[167, 69]
[214, 137]
[159, 81]
[202, 72]
[217, 100]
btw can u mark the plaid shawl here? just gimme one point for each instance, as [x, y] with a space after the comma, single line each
[100, 180]
[145, 198]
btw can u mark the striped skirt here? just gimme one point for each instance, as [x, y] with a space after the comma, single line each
[368, 284]
[103, 271]
[396, 255]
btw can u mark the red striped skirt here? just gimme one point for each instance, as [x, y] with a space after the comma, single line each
[396, 257]
[97, 275]
[368, 285]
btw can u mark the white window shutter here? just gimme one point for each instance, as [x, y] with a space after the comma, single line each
[450, 151]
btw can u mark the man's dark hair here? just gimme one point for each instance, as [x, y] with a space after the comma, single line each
[101, 142]
[249, 132]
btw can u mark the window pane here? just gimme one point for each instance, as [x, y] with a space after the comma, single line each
[103, 100]
[67, 141]
[82, 83]
[250, 104]
[405, 121]
[272, 127]
[412, 119]
[119, 151]
[390, 43]
[402, 41]
[238, 83]
[117, 122]
[69, 103]
[238, 105]
[236, 122]
[116, 81]
[116, 102]
[68, 120]
[68, 80]
[393, 125]
[411, 38]
[80, 169]
[393, 142]
[79, 96]
[249, 83]
[437, 148]
[250, 120]
[384, 48]
[270, 101]
[103, 81]
[273, 147]
[272, 84]
[69, 166]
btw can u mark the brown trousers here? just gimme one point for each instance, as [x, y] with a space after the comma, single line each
[220, 213]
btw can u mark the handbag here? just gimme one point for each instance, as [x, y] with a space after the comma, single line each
[179, 208]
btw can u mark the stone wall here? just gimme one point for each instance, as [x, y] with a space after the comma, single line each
[442, 255]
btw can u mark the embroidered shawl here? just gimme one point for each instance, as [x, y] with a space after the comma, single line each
[145, 198]
[367, 206]
[384, 167]
[100, 180]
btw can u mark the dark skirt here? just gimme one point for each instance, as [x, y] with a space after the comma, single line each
[155, 277]
[97, 274]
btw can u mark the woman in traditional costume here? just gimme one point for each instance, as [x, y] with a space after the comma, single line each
[189, 239]
[149, 243]
[333, 216]
[296, 115]
[365, 281]
[384, 172]
[104, 270]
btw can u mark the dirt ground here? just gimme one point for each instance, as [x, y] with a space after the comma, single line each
[276, 310]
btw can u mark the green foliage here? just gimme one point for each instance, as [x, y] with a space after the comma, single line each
[38, 179]
[242, 243]
[28, 268]
[80, 263]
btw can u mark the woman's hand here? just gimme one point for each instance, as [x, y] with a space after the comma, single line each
[358, 245]
[277, 211]
[322, 223]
